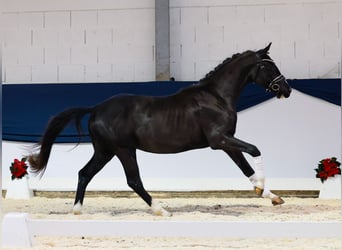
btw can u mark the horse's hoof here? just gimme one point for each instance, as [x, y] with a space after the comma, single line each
[258, 191]
[77, 210]
[277, 201]
[158, 210]
[162, 213]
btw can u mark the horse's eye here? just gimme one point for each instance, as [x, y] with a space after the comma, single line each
[262, 66]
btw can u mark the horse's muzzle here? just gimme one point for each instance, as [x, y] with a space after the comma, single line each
[284, 91]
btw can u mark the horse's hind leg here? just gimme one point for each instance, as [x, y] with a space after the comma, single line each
[85, 175]
[130, 165]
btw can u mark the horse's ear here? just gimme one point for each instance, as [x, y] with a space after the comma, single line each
[265, 50]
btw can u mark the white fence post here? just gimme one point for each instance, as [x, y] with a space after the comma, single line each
[15, 230]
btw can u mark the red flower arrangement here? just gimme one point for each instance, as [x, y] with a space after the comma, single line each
[328, 168]
[18, 168]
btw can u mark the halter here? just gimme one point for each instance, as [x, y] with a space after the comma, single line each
[273, 85]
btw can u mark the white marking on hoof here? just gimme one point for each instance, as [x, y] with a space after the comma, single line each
[268, 194]
[276, 200]
[77, 208]
[258, 178]
[158, 210]
[257, 181]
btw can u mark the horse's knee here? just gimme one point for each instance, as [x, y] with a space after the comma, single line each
[231, 143]
[253, 151]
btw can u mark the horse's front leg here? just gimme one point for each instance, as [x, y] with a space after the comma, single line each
[256, 177]
[234, 148]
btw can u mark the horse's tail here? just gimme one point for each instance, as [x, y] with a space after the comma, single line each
[39, 161]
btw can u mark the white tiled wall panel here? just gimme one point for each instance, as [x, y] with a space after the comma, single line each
[18, 38]
[71, 73]
[143, 69]
[123, 72]
[106, 41]
[138, 17]
[306, 35]
[250, 14]
[30, 56]
[31, 20]
[57, 55]
[71, 36]
[97, 37]
[98, 72]
[81, 41]
[84, 19]
[44, 73]
[45, 38]
[83, 53]
[222, 15]
[9, 21]
[194, 16]
[61, 20]
[17, 73]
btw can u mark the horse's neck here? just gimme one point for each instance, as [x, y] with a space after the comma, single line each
[230, 83]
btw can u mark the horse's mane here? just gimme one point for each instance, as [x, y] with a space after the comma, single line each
[224, 63]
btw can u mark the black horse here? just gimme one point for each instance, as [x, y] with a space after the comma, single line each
[199, 116]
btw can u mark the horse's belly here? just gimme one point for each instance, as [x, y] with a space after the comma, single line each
[172, 143]
[169, 149]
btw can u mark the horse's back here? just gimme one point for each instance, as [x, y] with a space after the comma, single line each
[155, 124]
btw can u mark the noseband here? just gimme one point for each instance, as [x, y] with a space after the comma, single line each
[273, 85]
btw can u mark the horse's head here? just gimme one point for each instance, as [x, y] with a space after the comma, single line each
[267, 74]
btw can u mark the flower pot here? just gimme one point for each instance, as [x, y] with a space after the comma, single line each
[19, 189]
[331, 188]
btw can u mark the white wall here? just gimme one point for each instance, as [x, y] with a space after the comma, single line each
[306, 35]
[78, 41]
[291, 137]
[91, 41]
